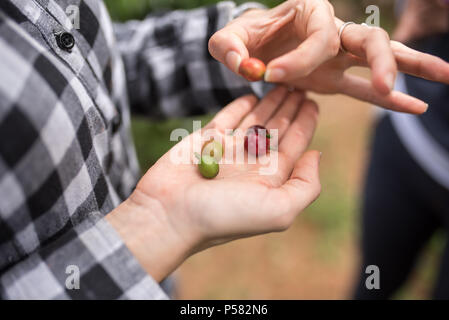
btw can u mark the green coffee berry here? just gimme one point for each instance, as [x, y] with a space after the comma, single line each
[208, 167]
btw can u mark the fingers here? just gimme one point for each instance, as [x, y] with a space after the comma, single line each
[381, 60]
[315, 20]
[305, 175]
[362, 89]
[267, 106]
[411, 62]
[304, 184]
[231, 115]
[229, 46]
[385, 57]
[300, 133]
[373, 44]
[286, 113]
[298, 192]
[420, 64]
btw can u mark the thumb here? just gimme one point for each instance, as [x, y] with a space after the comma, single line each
[228, 47]
[304, 185]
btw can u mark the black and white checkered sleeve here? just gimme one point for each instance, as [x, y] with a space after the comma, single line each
[169, 69]
[89, 261]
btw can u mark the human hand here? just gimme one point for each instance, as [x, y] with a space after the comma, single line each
[311, 60]
[371, 47]
[175, 212]
[294, 37]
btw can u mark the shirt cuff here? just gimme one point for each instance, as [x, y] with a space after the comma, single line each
[123, 268]
[90, 261]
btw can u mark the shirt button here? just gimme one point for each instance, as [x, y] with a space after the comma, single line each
[65, 40]
[116, 123]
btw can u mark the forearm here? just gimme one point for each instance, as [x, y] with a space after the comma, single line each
[145, 228]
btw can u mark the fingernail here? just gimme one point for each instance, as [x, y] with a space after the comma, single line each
[423, 109]
[275, 75]
[389, 81]
[233, 60]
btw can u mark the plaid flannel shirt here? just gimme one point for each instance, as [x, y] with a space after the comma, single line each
[66, 154]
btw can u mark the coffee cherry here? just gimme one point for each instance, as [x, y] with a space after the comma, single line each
[213, 149]
[256, 142]
[209, 168]
[252, 69]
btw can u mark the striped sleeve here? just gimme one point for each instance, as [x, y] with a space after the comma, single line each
[89, 261]
[169, 69]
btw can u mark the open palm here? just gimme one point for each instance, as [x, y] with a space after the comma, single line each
[241, 201]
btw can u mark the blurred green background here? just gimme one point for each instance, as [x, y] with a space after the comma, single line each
[318, 257]
[122, 10]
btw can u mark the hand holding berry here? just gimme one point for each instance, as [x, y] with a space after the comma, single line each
[294, 38]
[299, 42]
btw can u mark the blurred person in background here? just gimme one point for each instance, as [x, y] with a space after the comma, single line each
[69, 180]
[406, 197]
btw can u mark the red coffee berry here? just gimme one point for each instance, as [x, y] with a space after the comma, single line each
[252, 69]
[257, 141]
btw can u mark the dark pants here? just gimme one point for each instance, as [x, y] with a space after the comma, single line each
[403, 207]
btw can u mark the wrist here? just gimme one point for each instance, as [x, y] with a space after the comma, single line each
[144, 226]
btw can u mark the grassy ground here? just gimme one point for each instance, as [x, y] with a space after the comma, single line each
[318, 257]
